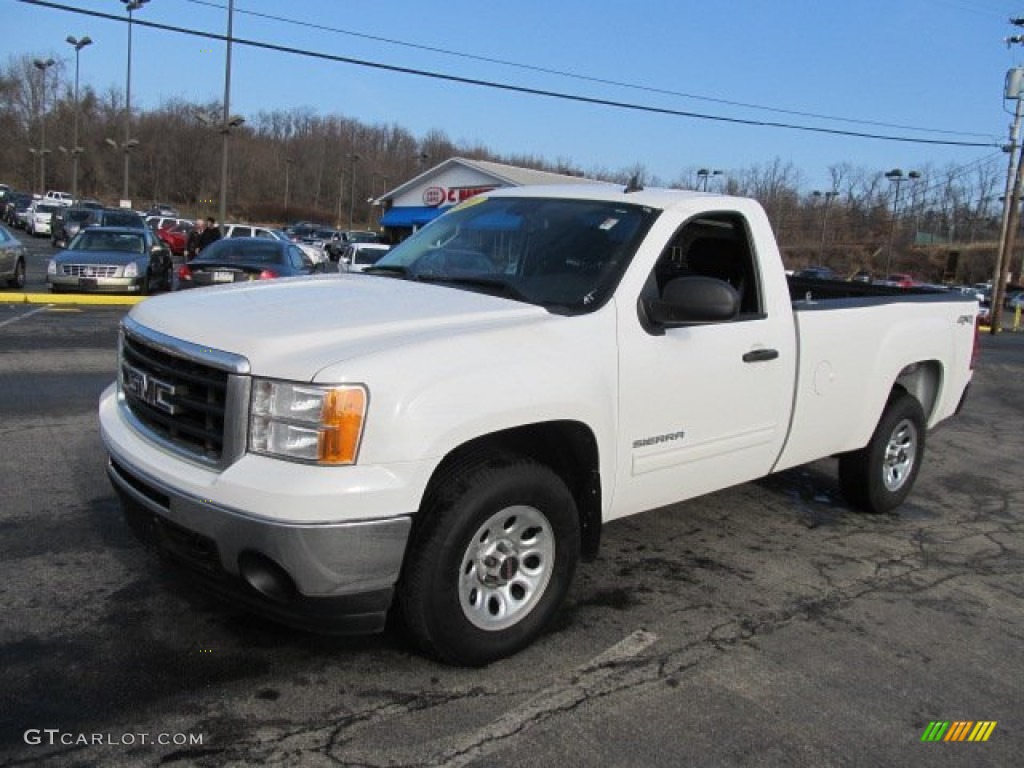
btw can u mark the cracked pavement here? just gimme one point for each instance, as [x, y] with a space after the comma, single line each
[767, 624]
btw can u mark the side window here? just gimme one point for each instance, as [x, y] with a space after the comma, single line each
[714, 245]
[298, 259]
[241, 232]
[266, 234]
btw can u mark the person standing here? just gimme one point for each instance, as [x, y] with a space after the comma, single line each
[192, 241]
[210, 234]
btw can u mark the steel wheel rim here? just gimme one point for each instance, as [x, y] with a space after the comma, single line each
[506, 569]
[900, 455]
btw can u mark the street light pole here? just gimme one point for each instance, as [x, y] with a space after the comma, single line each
[702, 178]
[352, 157]
[226, 123]
[287, 178]
[75, 149]
[131, 6]
[42, 66]
[896, 176]
[829, 196]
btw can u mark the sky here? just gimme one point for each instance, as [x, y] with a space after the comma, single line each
[920, 69]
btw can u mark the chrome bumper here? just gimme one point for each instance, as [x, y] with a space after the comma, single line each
[326, 577]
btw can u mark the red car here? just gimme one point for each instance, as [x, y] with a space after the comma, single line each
[175, 236]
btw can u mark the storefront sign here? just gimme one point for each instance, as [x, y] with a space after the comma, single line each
[438, 196]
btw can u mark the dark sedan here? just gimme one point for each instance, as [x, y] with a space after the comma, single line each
[241, 259]
[111, 260]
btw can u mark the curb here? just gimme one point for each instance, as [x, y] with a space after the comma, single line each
[70, 298]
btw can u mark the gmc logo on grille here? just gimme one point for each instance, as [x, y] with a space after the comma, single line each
[150, 389]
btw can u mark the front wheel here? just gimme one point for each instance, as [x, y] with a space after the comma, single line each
[492, 556]
[18, 281]
[880, 476]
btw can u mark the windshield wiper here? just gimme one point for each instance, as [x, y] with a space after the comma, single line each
[495, 285]
[387, 269]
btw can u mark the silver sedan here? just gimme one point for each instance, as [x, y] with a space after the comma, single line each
[111, 260]
[12, 259]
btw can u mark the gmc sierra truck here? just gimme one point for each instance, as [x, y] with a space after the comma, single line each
[445, 434]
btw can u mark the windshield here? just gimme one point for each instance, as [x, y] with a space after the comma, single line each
[565, 255]
[98, 240]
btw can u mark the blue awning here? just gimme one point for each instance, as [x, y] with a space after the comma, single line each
[410, 216]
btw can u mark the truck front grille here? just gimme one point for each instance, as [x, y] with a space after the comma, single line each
[188, 404]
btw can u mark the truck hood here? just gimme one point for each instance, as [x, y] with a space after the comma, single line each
[294, 327]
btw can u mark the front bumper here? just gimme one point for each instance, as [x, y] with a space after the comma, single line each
[95, 284]
[332, 574]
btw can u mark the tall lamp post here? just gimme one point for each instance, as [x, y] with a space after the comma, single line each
[897, 177]
[371, 199]
[76, 150]
[287, 178]
[42, 66]
[131, 6]
[829, 197]
[352, 157]
[702, 178]
[227, 123]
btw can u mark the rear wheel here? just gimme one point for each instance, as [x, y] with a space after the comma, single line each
[880, 476]
[18, 281]
[490, 560]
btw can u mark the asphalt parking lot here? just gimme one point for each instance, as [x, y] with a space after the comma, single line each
[764, 625]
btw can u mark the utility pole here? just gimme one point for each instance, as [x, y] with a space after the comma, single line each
[1011, 200]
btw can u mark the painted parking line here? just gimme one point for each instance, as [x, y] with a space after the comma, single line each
[12, 320]
[70, 298]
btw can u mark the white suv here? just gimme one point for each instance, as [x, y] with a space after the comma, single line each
[40, 216]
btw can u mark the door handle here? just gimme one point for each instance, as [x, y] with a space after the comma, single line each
[760, 355]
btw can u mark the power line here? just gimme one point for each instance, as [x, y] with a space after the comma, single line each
[513, 88]
[586, 78]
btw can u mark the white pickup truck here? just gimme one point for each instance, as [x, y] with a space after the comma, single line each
[445, 434]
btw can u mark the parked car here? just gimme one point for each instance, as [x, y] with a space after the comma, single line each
[162, 209]
[58, 198]
[1015, 301]
[39, 218]
[90, 204]
[250, 230]
[320, 237]
[112, 260]
[119, 217]
[19, 213]
[67, 222]
[348, 236]
[358, 256]
[176, 236]
[158, 222]
[11, 201]
[12, 259]
[899, 280]
[243, 259]
[817, 273]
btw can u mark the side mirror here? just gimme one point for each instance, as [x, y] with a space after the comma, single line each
[692, 300]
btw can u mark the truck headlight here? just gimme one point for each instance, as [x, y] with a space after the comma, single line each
[51, 267]
[131, 270]
[307, 422]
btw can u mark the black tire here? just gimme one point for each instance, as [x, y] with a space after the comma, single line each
[880, 476]
[144, 286]
[491, 557]
[18, 281]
